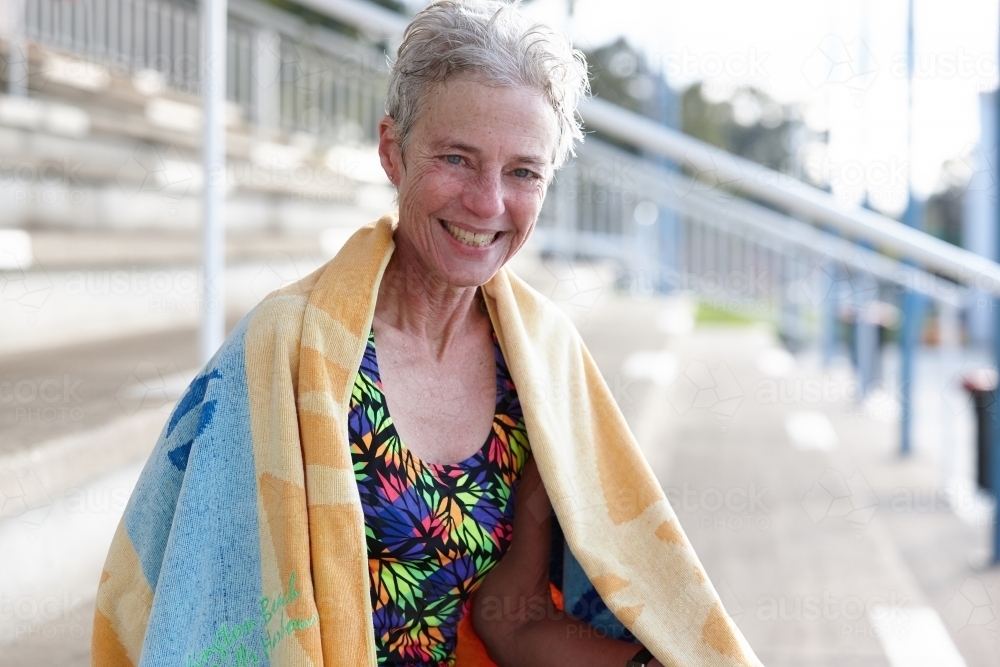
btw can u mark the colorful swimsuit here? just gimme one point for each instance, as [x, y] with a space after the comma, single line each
[434, 530]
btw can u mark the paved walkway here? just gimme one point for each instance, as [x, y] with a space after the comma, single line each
[825, 548]
[53, 393]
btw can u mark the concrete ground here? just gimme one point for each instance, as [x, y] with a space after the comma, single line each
[826, 548]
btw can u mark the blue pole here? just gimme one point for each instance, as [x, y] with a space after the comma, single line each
[995, 444]
[668, 108]
[866, 332]
[831, 308]
[911, 300]
[909, 341]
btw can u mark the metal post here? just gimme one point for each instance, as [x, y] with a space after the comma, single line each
[669, 219]
[866, 335]
[213, 82]
[911, 300]
[913, 306]
[995, 471]
[17, 50]
[907, 344]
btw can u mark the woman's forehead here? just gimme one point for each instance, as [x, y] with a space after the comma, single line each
[475, 117]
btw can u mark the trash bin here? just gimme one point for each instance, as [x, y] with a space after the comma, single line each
[982, 384]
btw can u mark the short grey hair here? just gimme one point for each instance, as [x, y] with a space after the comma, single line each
[495, 43]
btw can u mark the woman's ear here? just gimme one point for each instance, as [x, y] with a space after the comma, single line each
[389, 151]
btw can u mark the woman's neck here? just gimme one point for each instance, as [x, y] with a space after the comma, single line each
[413, 302]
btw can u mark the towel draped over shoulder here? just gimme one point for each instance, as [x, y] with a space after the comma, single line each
[244, 540]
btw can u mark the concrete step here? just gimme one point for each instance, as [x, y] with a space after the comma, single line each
[45, 309]
[88, 249]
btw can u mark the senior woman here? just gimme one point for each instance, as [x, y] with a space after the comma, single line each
[366, 472]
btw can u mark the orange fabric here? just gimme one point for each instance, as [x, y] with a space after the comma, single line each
[106, 649]
[469, 651]
[557, 596]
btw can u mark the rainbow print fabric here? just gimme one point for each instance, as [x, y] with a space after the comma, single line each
[434, 530]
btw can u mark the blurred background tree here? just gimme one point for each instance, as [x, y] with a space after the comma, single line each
[945, 207]
[747, 122]
[621, 74]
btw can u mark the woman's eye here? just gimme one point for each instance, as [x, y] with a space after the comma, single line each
[453, 159]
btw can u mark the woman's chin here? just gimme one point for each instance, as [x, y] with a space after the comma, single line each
[460, 272]
[470, 278]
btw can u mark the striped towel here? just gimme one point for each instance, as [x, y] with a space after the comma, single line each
[244, 540]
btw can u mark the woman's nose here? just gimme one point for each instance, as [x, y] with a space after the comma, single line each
[484, 196]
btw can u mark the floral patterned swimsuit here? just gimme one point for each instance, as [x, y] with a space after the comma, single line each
[433, 530]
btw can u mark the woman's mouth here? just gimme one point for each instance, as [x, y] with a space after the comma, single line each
[468, 238]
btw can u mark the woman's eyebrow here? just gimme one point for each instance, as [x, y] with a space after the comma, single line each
[456, 145]
[533, 160]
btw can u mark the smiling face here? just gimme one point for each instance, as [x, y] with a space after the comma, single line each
[476, 168]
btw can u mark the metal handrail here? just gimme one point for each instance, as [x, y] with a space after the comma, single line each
[793, 195]
[719, 209]
[767, 223]
[612, 232]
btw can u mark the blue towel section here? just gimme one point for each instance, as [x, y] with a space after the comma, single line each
[193, 522]
[580, 598]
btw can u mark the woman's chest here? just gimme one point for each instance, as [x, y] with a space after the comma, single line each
[415, 509]
[442, 408]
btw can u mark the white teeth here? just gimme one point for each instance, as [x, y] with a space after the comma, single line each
[468, 238]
